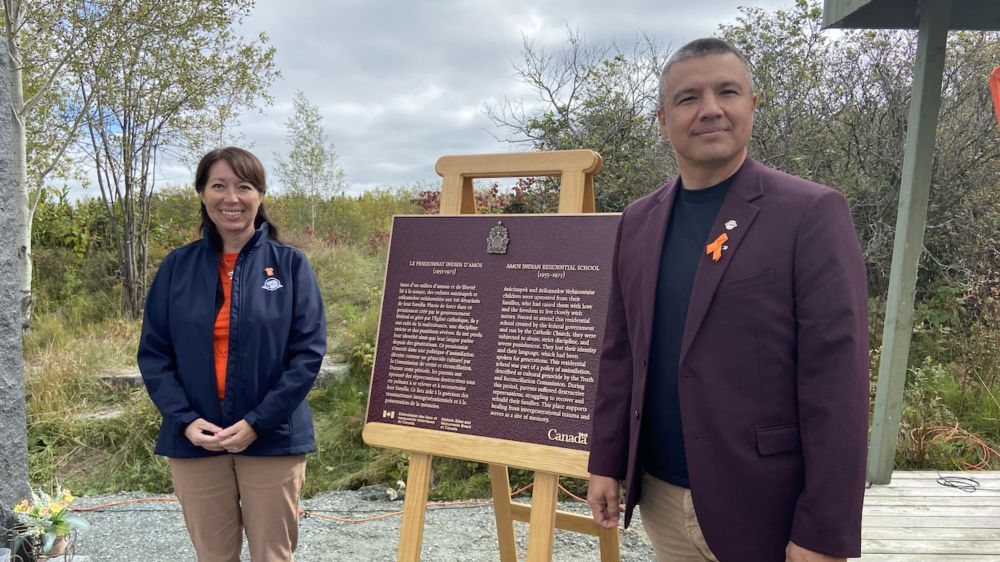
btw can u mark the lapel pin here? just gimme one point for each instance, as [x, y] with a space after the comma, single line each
[730, 225]
[716, 247]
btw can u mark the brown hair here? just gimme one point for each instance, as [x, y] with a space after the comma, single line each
[249, 169]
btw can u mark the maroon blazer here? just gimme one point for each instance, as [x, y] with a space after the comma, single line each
[773, 375]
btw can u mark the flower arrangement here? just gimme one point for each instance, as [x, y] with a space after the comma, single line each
[48, 517]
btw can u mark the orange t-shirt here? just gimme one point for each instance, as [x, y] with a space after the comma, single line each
[221, 339]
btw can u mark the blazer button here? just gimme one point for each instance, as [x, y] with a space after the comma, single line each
[637, 414]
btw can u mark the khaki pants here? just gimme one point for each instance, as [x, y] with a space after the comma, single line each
[671, 524]
[223, 495]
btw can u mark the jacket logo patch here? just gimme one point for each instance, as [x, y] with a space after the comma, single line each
[272, 284]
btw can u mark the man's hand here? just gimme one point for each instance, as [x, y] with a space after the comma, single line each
[795, 553]
[237, 437]
[602, 495]
[203, 434]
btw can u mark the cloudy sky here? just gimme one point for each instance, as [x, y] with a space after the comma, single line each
[402, 83]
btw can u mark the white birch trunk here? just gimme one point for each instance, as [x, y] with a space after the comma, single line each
[24, 216]
[22, 236]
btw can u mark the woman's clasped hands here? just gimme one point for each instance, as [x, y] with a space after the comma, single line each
[233, 439]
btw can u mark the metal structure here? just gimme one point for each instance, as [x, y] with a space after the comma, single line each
[933, 19]
[977, 15]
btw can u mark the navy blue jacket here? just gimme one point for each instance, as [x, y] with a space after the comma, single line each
[277, 338]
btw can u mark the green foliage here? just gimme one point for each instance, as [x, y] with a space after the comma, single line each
[356, 220]
[60, 225]
[360, 329]
[533, 195]
[951, 407]
[924, 404]
[174, 220]
[74, 267]
[347, 276]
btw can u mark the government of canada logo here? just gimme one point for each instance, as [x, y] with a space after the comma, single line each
[580, 438]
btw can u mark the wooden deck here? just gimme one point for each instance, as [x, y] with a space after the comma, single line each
[916, 519]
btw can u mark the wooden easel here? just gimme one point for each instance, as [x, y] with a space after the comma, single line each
[576, 195]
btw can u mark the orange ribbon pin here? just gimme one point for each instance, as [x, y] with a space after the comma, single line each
[715, 248]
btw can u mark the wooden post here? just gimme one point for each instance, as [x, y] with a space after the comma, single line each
[542, 526]
[576, 193]
[418, 481]
[608, 540]
[500, 484]
[457, 196]
[910, 221]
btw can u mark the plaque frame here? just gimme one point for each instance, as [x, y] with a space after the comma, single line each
[576, 168]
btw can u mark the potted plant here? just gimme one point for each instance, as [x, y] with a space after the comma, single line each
[47, 518]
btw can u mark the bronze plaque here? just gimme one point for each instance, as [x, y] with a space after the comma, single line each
[492, 325]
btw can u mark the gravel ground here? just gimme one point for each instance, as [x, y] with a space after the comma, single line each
[154, 532]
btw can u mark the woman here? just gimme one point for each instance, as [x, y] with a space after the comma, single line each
[232, 339]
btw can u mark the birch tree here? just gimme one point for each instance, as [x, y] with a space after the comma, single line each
[43, 43]
[310, 169]
[182, 65]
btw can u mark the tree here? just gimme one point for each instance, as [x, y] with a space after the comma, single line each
[43, 41]
[834, 108]
[597, 96]
[310, 169]
[158, 70]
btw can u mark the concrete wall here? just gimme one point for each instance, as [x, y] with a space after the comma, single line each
[13, 425]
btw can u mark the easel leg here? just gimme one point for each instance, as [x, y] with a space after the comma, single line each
[418, 481]
[610, 546]
[543, 517]
[500, 483]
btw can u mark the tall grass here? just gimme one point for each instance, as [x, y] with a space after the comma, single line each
[951, 413]
[63, 360]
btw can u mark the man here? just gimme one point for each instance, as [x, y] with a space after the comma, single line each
[733, 388]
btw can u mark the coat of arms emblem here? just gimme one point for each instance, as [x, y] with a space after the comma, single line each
[496, 242]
